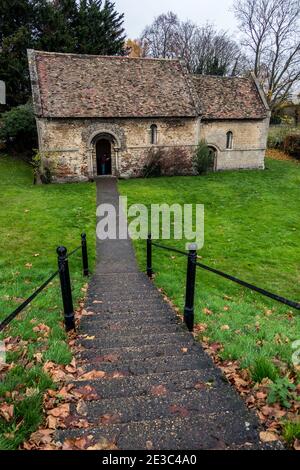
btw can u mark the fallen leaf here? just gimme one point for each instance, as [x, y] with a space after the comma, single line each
[81, 408]
[179, 410]
[28, 265]
[61, 411]
[297, 444]
[75, 444]
[51, 422]
[42, 436]
[266, 436]
[206, 311]
[110, 419]
[158, 390]
[93, 374]
[7, 411]
[87, 392]
[103, 444]
[225, 328]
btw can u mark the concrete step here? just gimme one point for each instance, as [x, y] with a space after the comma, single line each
[131, 353]
[221, 431]
[144, 384]
[114, 341]
[125, 311]
[148, 408]
[139, 305]
[111, 322]
[151, 365]
[118, 330]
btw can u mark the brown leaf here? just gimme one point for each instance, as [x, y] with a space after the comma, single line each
[261, 395]
[267, 436]
[51, 422]
[158, 390]
[93, 374]
[81, 408]
[75, 444]
[200, 386]
[42, 436]
[7, 411]
[110, 419]
[225, 328]
[61, 411]
[103, 444]
[42, 328]
[179, 410]
[87, 392]
[297, 444]
[206, 311]
[267, 410]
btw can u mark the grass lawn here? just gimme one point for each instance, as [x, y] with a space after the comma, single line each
[252, 228]
[34, 220]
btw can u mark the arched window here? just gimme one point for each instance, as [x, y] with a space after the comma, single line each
[153, 134]
[229, 140]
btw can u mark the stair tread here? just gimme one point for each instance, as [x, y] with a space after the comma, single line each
[198, 432]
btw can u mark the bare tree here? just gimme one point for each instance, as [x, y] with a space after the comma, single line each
[159, 39]
[272, 36]
[204, 49]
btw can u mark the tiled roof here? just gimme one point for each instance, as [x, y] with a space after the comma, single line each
[70, 85]
[86, 86]
[229, 98]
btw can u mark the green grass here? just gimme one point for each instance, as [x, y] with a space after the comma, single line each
[34, 220]
[252, 231]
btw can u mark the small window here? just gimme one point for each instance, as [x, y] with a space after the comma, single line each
[229, 140]
[153, 131]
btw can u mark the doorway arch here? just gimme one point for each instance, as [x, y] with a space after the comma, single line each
[214, 154]
[104, 153]
[103, 157]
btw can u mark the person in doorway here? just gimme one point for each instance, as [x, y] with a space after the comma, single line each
[104, 159]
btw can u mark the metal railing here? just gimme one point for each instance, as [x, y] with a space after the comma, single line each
[65, 285]
[192, 265]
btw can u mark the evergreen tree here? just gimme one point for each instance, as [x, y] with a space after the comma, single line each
[87, 26]
[99, 28]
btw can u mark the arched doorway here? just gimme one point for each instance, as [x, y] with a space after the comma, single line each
[103, 157]
[213, 153]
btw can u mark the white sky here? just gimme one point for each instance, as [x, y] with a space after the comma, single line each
[139, 13]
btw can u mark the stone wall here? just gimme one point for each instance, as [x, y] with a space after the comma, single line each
[68, 145]
[249, 142]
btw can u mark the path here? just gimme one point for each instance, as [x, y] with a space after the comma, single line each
[160, 391]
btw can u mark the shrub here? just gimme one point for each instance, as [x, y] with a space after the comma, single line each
[263, 368]
[277, 135]
[291, 145]
[41, 173]
[152, 166]
[203, 159]
[18, 128]
[172, 162]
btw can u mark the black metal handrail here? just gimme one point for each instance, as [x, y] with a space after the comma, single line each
[192, 264]
[65, 283]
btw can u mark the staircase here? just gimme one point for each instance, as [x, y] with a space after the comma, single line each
[160, 390]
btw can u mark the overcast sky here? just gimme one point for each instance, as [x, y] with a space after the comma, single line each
[139, 13]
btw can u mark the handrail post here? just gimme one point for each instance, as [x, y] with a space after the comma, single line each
[190, 287]
[149, 257]
[66, 291]
[85, 261]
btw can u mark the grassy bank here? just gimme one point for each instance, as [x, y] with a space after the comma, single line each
[34, 220]
[251, 231]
